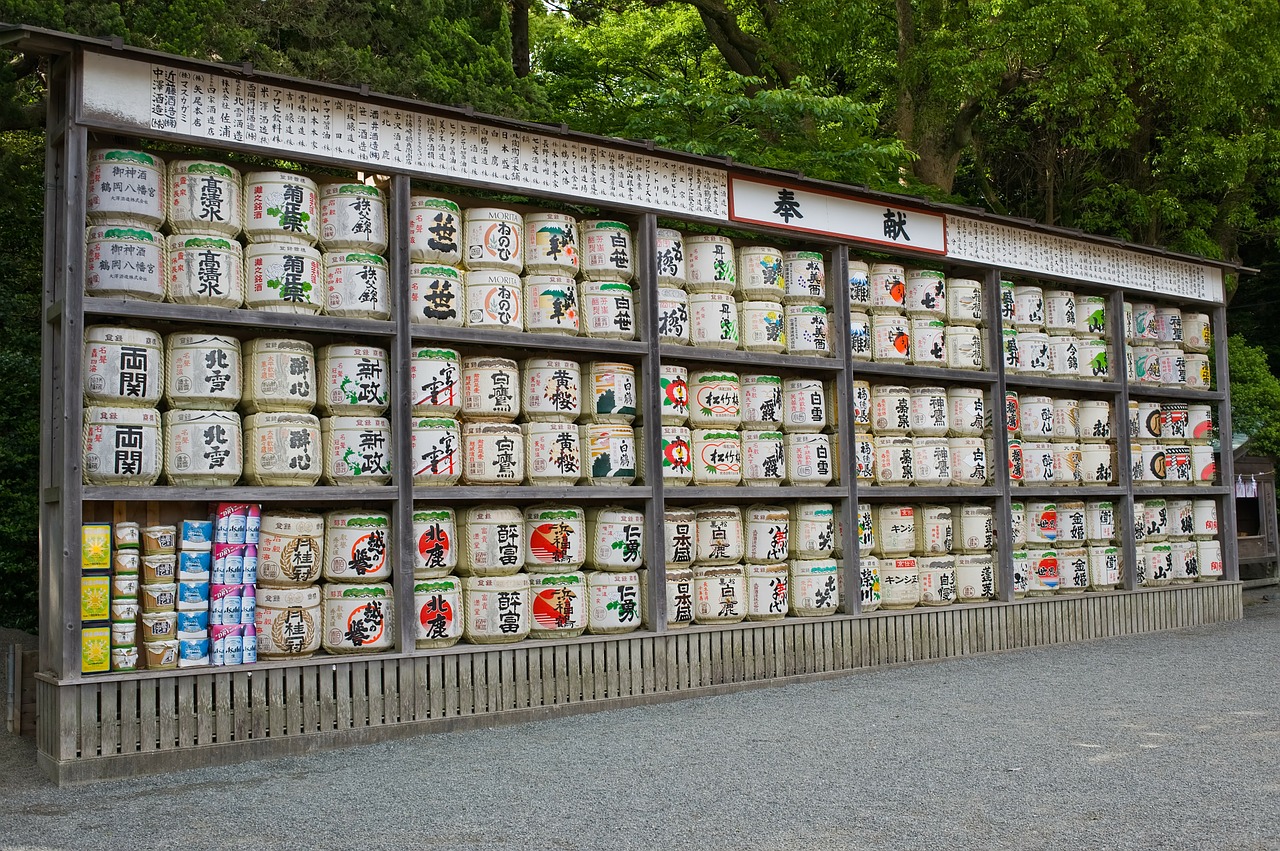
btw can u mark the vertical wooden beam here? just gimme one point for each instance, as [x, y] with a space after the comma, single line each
[838, 287]
[655, 558]
[401, 413]
[999, 465]
[1124, 458]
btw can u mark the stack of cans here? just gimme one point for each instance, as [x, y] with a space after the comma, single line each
[233, 577]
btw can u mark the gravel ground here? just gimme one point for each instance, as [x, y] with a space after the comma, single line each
[1162, 741]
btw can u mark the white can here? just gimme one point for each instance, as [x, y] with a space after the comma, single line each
[608, 454]
[437, 605]
[670, 259]
[767, 533]
[435, 540]
[810, 460]
[435, 376]
[1199, 376]
[1018, 523]
[964, 302]
[977, 532]
[282, 449]
[968, 461]
[123, 261]
[899, 583]
[767, 586]
[673, 316]
[1036, 414]
[357, 450]
[126, 186]
[761, 401]
[614, 602]
[437, 451]
[859, 285]
[1060, 311]
[611, 392]
[890, 338]
[1064, 357]
[124, 367]
[715, 399]
[1197, 333]
[357, 546]
[975, 578]
[551, 305]
[926, 294]
[1169, 325]
[963, 348]
[356, 286]
[281, 206]
[720, 534]
[606, 251]
[935, 531]
[931, 461]
[496, 609]
[890, 409]
[805, 402]
[1033, 353]
[928, 342]
[711, 265]
[291, 551]
[493, 240]
[353, 380]
[813, 530]
[1066, 418]
[203, 370]
[805, 276]
[681, 542]
[492, 454]
[860, 341]
[353, 217]
[202, 448]
[551, 390]
[552, 453]
[494, 300]
[807, 330]
[1009, 348]
[492, 541]
[205, 269]
[677, 455]
[434, 225]
[608, 310]
[490, 389]
[1091, 316]
[760, 273]
[764, 459]
[717, 457]
[719, 594]
[282, 277]
[714, 321]
[762, 326]
[894, 464]
[551, 245]
[288, 622]
[966, 411]
[436, 295]
[673, 381]
[864, 458]
[888, 288]
[1204, 466]
[1209, 558]
[555, 538]
[1028, 308]
[937, 580]
[895, 529]
[814, 587]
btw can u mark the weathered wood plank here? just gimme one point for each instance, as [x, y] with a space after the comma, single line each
[452, 687]
[359, 694]
[109, 712]
[529, 689]
[205, 710]
[613, 676]
[636, 668]
[430, 681]
[377, 693]
[505, 693]
[342, 698]
[570, 687]
[276, 721]
[548, 677]
[242, 724]
[129, 716]
[311, 699]
[293, 699]
[168, 694]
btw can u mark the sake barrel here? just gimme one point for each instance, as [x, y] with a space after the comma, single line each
[976, 529]
[204, 269]
[1042, 572]
[1169, 325]
[1066, 418]
[1156, 520]
[122, 446]
[615, 538]
[975, 578]
[1173, 422]
[673, 382]
[1021, 573]
[1018, 523]
[860, 340]
[864, 457]
[608, 454]
[869, 576]
[670, 259]
[1009, 349]
[606, 251]
[964, 302]
[494, 300]
[123, 367]
[812, 532]
[1064, 356]
[710, 265]
[965, 411]
[762, 326]
[282, 449]
[673, 316]
[1073, 570]
[281, 207]
[890, 409]
[433, 230]
[937, 580]
[1182, 524]
[1060, 311]
[888, 282]
[679, 591]
[496, 609]
[1146, 364]
[1150, 421]
[899, 583]
[1159, 564]
[717, 457]
[928, 342]
[1154, 463]
[929, 413]
[1091, 315]
[202, 448]
[291, 550]
[767, 586]
[1173, 368]
[1139, 528]
[1204, 513]
[125, 261]
[926, 294]
[1028, 308]
[1209, 558]
[353, 217]
[894, 464]
[805, 277]
[438, 606]
[715, 399]
[1042, 522]
[895, 529]
[720, 534]
[807, 331]
[814, 587]
[1197, 334]
[437, 451]
[1017, 463]
[608, 310]
[283, 277]
[551, 245]
[356, 286]
[1072, 521]
[810, 460]
[1096, 464]
[1039, 460]
[357, 546]
[859, 285]
[555, 538]
[1036, 417]
[860, 402]
[890, 338]
[713, 320]
[492, 542]
[866, 530]
[805, 402]
[1094, 420]
[1099, 522]
[357, 450]
[203, 371]
[490, 389]
[719, 594]
[767, 534]
[764, 458]
[934, 529]
[681, 545]
[930, 462]
[760, 274]
[614, 602]
[1008, 303]
[1130, 332]
[551, 389]
[761, 404]
[288, 622]
[551, 305]
[968, 461]
[436, 295]
[125, 186]
[1199, 376]
[492, 454]
[354, 380]
[1104, 567]
[1033, 353]
[964, 347]
[492, 239]
[1178, 465]
[435, 381]
[1144, 321]
[435, 536]
[279, 376]
[1066, 464]
[611, 393]
[560, 602]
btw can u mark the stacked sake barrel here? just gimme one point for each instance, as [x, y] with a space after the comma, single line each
[933, 555]
[930, 436]
[916, 316]
[496, 574]
[1064, 547]
[1054, 332]
[1176, 541]
[1171, 442]
[1167, 347]
[1060, 440]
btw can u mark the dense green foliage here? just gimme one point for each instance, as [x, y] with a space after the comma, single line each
[1255, 397]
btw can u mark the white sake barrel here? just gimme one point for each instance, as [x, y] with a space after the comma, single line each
[1066, 418]
[615, 538]
[288, 622]
[681, 545]
[767, 534]
[710, 265]
[357, 546]
[356, 286]
[963, 347]
[357, 450]
[125, 261]
[673, 381]
[614, 602]
[929, 413]
[717, 457]
[436, 449]
[808, 331]
[1009, 349]
[202, 448]
[894, 462]
[1144, 321]
[890, 338]
[1036, 414]
[560, 603]
[1173, 368]
[436, 295]
[202, 371]
[968, 461]
[1155, 464]
[1169, 325]
[764, 458]
[761, 401]
[1017, 463]
[1042, 572]
[1204, 514]
[812, 532]
[895, 529]
[670, 258]
[1066, 463]
[814, 587]
[1138, 472]
[123, 367]
[282, 449]
[552, 453]
[1042, 523]
[866, 530]
[720, 594]
[715, 399]
[495, 300]
[1091, 316]
[860, 402]
[125, 186]
[608, 310]
[679, 591]
[282, 207]
[353, 380]
[860, 341]
[204, 269]
[937, 580]
[1159, 564]
[805, 402]
[935, 531]
[1146, 361]
[890, 409]
[435, 376]
[713, 320]
[928, 342]
[1150, 421]
[551, 245]
[1072, 521]
[767, 587]
[492, 541]
[1060, 311]
[436, 543]
[122, 446]
[1199, 376]
[810, 459]
[608, 454]
[966, 411]
[869, 576]
[805, 277]
[976, 531]
[1197, 333]
[555, 538]
[1021, 573]
[1134, 420]
[859, 285]
[762, 326]
[1174, 419]
[1209, 558]
[551, 305]
[888, 284]
[964, 302]
[1130, 331]
[1007, 302]
[673, 316]
[1033, 353]
[1181, 519]
[1104, 567]
[283, 277]
[492, 238]
[1028, 308]
[1155, 519]
[496, 609]
[492, 454]
[490, 389]
[1038, 459]
[975, 578]
[899, 583]
[760, 273]
[864, 457]
[1204, 466]
[1094, 420]
[926, 296]
[1178, 465]
[930, 462]
[1018, 523]
[291, 550]
[1064, 356]
[433, 230]
[1073, 570]
[1099, 522]
[353, 217]
[551, 390]
[1096, 464]
[437, 604]
[606, 251]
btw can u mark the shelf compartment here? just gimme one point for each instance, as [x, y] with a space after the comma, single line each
[525, 493]
[867, 493]
[258, 319]
[248, 493]
[1142, 391]
[705, 493]
[936, 375]
[1076, 385]
[435, 335]
[670, 353]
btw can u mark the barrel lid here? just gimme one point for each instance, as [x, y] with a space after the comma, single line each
[271, 419]
[361, 258]
[439, 513]
[132, 336]
[186, 415]
[101, 415]
[331, 424]
[255, 249]
[278, 177]
[124, 233]
[435, 270]
[433, 203]
[597, 578]
[203, 240]
[718, 570]
[125, 155]
[276, 598]
[554, 511]
[338, 591]
[442, 583]
[357, 517]
[341, 188]
[436, 354]
[349, 350]
[262, 345]
[518, 582]
[487, 362]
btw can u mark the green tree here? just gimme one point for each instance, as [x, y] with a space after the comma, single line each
[1255, 397]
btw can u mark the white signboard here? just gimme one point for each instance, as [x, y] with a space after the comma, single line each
[230, 110]
[1029, 251]
[782, 205]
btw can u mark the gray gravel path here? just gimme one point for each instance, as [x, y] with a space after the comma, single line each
[1162, 741]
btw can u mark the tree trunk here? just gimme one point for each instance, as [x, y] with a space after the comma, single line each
[520, 37]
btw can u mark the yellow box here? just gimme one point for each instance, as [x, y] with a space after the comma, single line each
[95, 546]
[95, 649]
[95, 597]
